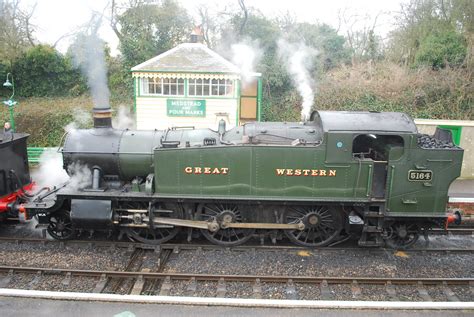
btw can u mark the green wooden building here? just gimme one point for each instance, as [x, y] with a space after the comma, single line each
[191, 85]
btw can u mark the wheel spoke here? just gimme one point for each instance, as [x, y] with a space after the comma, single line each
[229, 236]
[322, 225]
[157, 235]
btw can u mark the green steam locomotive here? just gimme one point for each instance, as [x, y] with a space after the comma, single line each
[364, 175]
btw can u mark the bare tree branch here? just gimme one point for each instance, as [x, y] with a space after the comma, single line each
[114, 20]
[246, 15]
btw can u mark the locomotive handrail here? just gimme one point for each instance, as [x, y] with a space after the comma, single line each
[61, 142]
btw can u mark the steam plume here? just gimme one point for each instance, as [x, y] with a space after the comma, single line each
[298, 60]
[50, 172]
[246, 56]
[123, 119]
[88, 54]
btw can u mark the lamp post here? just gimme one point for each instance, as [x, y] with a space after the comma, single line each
[10, 103]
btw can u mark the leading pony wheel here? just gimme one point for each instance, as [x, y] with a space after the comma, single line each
[60, 226]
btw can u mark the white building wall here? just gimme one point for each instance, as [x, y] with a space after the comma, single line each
[151, 113]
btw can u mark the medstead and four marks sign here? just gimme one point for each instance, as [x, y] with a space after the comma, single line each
[185, 108]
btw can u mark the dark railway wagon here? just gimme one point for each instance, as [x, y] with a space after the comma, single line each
[368, 175]
[14, 175]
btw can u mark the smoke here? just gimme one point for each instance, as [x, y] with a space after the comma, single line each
[123, 119]
[298, 59]
[50, 172]
[88, 55]
[246, 55]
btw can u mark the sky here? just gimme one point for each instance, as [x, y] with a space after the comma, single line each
[55, 18]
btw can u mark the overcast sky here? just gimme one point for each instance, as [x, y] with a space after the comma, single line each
[54, 18]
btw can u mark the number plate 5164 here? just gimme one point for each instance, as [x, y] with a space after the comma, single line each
[425, 175]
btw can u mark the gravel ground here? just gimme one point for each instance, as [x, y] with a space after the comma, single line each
[436, 293]
[323, 263]
[371, 293]
[78, 284]
[362, 262]
[239, 289]
[463, 293]
[49, 256]
[273, 291]
[340, 292]
[308, 291]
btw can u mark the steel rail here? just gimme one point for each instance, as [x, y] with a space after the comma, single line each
[241, 278]
[191, 246]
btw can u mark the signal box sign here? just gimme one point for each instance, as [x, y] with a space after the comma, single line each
[185, 108]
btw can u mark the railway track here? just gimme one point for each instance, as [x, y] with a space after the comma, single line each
[166, 280]
[177, 247]
[134, 278]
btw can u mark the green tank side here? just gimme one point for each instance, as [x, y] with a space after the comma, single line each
[419, 182]
[259, 172]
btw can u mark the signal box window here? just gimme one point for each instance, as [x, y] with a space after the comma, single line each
[210, 87]
[163, 86]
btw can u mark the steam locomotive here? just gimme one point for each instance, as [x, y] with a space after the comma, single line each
[340, 175]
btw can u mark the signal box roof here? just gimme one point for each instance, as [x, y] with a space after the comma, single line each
[364, 121]
[188, 57]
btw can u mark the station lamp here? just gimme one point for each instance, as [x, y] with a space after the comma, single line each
[10, 103]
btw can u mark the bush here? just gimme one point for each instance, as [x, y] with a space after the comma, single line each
[42, 71]
[440, 50]
[424, 93]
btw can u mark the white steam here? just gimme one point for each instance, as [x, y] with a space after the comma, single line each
[123, 119]
[298, 59]
[50, 172]
[88, 54]
[81, 176]
[246, 56]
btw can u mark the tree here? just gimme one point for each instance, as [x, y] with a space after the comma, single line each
[323, 38]
[422, 22]
[16, 30]
[360, 35]
[147, 29]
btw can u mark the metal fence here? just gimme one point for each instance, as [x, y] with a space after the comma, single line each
[35, 153]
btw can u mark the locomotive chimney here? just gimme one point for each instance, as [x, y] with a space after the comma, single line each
[102, 117]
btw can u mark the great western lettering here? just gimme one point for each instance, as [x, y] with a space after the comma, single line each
[304, 172]
[206, 170]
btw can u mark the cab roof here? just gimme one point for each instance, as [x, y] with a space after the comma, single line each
[368, 121]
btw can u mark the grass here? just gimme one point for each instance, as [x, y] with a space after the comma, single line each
[45, 119]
